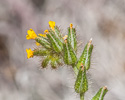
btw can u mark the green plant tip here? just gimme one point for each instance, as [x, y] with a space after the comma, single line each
[100, 94]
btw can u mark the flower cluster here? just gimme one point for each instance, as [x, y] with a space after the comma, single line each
[33, 35]
[49, 45]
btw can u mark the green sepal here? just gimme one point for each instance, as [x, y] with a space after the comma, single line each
[45, 62]
[100, 94]
[81, 84]
[69, 54]
[43, 41]
[56, 44]
[72, 38]
[55, 61]
[85, 58]
[41, 52]
[57, 33]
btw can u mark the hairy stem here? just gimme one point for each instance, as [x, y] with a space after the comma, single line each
[81, 96]
[75, 69]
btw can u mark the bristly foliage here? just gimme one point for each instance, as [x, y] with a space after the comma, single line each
[56, 49]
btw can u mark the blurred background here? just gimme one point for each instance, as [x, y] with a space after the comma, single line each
[102, 20]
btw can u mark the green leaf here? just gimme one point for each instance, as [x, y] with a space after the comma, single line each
[100, 94]
[41, 52]
[69, 54]
[85, 58]
[56, 44]
[55, 61]
[72, 38]
[45, 62]
[58, 34]
[81, 84]
[43, 41]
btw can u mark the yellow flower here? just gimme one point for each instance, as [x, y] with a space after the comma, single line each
[71, 25]
[52, 24]
[29, 53]
[38, 44]
[46, 31]
[31, 34]
[43, 35]
[65, 37]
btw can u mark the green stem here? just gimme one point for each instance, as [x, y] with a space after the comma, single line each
[81, 96]
[75, 70]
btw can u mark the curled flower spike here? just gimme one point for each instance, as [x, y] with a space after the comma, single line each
[57, 49]
[71, 25]
[52, 24]
[46, 31]
[29, 53]
[31, 34]
[43, 35]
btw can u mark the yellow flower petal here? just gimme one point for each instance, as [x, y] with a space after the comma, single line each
[46, 31]
[38, 44]
[27, 37]
[52, 24]
[31, 34]
[43, 35]
[29, 53]
[71, 25]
